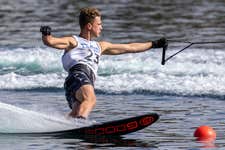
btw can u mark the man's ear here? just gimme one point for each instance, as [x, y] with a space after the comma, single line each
[89, 26]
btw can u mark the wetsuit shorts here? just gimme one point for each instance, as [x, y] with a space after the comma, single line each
[78, 76]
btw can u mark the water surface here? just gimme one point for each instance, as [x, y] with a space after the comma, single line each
[187, 92]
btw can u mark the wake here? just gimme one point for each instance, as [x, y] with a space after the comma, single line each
[17, 120]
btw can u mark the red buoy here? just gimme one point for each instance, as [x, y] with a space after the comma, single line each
[205, 133]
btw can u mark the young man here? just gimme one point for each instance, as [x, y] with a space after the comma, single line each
[81, 57]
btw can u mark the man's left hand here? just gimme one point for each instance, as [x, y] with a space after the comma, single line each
[160, 43]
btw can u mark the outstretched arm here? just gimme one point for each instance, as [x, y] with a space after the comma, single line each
[64, 43]
[116, 49]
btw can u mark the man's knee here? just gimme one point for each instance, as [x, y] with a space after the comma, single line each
[86, 94]
[94, 101]
[91, 100]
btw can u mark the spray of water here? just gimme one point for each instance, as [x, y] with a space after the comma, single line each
[17, 120]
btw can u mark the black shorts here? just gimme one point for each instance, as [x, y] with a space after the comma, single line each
[79, 75]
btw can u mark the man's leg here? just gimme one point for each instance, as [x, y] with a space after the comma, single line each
[75, 109]
[86, 95]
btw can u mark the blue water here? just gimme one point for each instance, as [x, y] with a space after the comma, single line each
[188, 91]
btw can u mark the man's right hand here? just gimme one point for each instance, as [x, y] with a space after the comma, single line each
[45, 30]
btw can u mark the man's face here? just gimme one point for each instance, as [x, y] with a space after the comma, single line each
[96, 27]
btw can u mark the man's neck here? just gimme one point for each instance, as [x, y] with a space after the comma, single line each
[85, 35]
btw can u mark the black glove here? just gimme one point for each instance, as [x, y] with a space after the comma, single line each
[45, 30]
[160, 43]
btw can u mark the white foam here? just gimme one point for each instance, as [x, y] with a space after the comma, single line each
[195, 71]
[17, 120]
[16, 81]
[31, 60]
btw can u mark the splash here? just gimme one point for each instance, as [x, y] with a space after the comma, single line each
[17, 120]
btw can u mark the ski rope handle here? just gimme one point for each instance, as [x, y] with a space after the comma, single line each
[164, 59]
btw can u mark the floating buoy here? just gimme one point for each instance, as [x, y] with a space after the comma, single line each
[205, 133]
